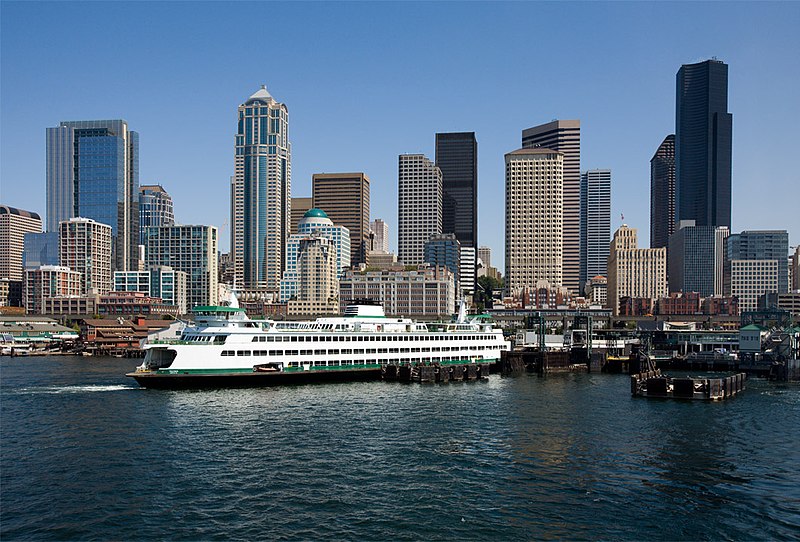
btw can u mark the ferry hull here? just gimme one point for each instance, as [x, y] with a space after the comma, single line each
[162, 381]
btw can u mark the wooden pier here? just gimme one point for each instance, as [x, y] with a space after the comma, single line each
[523, 361]
[654, 384]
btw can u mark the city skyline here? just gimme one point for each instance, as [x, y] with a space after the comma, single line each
[620, 127]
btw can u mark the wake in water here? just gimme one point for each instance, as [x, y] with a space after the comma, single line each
[73, 389]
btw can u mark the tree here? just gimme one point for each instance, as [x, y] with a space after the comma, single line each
[486, 287]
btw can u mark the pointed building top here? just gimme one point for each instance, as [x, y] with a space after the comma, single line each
[261, 95]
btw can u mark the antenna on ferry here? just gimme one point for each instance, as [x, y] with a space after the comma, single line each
[462, 312]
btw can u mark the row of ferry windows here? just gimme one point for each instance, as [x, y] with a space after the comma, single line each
[366, 338]
[350, 351]
[338, 363]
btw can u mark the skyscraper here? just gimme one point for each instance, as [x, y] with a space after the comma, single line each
[84, 245]
[703, 137]
[155, 208]
[300, 206]
[380, 233]
[444, 250]
[457, 158]
[419, 210]
[565, 136]
[662, 193]
[534, 218]
[595, 223]
[191, 249]
[261, 189]
[15, 224]
[345, 199]
[93, 172]
[695, 259]
[761, 245]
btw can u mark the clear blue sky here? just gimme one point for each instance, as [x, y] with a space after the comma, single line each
[365, 82]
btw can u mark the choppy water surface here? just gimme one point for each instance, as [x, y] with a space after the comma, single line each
[86, 454]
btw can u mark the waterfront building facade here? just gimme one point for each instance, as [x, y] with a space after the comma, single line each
[696, 259]
[14, 225]
[662, 193]
[317, 277]
[85, 245]
[49, 281]
[314, 222]
[345, 199]
[300, 206]
[419, 211]
[534, 218]
[634, 272]
[595, 223]
[155, 208]
[379, 235]
[159, 281]
[191, 249]
[424, 291]
[261, 191]
[93, 172]
[119, 304]
[564, 136]
[457, 158]
[703, 142]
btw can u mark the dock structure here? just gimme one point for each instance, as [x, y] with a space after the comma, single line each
[435, 373]
[516, 362]
[654, 384]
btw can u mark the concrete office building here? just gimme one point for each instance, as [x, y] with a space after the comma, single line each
[300, 206]
[634, 272]
[155, 208]
[14, 224]
[159, 281]
[93, 172]
[49, 281]
[457, 158]
[696, 259]
[379, 235]
[703, 140]
[419, 212]
[595, 223]
[84, 245]
[534, 219]
[424, 291]
[191, 249]
[467, 273]
[761, 245]
[261, 192]
[565, 136]
[662, 193]
[751, 279]
[345, 199]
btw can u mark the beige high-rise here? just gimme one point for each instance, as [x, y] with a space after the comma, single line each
[345, 199]
[534, 218]
[565, 136]
[14, 224]
[634, 271]
[317, 270]
[85, 246]
[419, 206]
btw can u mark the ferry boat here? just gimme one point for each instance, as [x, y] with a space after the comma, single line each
[226, 348]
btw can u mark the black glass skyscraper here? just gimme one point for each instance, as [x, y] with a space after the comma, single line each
[703, 135]
[662, 193]
[457, 157]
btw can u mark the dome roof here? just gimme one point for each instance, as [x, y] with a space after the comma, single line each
[315, 213]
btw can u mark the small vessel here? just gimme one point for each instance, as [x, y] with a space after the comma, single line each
[226, 348]
[10, 346]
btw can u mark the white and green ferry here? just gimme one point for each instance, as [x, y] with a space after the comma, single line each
[225, 347]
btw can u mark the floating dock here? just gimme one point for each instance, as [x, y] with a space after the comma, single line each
[654, 384]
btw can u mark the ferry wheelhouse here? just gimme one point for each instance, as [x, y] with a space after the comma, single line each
[224, 341]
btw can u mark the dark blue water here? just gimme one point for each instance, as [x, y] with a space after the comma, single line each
[88, 455]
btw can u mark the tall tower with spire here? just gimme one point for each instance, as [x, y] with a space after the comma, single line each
[261, 192]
